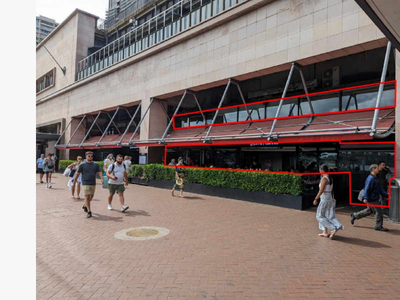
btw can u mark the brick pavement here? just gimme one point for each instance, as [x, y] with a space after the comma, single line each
[217, 249]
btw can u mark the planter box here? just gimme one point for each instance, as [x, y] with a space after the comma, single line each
[287, 201]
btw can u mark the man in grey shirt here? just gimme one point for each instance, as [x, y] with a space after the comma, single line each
[88, 170]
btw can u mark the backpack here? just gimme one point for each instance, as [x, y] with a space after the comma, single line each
[113, 166]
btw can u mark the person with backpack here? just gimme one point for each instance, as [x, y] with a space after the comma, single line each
[74, 168]
[372, 196]
[326, 208]
[116, 174]
[48, 168]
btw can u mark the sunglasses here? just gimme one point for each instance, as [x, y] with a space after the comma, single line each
[89, 155]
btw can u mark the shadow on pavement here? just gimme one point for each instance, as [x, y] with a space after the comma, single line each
[193, 198]
[137, 213]
[100, 217]
[391, 231]
[360, 242]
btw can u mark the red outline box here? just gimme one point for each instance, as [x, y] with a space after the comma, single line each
[292, 173]
[289, 117]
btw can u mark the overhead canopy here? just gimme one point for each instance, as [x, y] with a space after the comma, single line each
[386, 16]
[343, 126]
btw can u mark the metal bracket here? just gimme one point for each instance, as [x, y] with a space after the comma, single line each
[140, 122]
[94, 121]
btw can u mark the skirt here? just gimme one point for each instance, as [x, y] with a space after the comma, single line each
[326, 213]
[72, 179]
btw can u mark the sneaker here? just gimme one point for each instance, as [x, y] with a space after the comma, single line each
[352, 219]
[124, 208]
[382, 229]
[109, 207]
[49, 185]
[84, 208]
[385, 215]
[89, 214]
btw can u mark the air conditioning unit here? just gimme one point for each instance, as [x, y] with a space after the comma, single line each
[331, 77]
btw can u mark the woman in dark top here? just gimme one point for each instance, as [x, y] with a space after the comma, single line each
[178, 178]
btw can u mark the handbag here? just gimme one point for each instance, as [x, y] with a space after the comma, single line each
[72, 173]
[105, 183]
[67, 172]
[179, 181]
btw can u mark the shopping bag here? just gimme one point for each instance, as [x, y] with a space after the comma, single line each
[67, 172]
[105, 183]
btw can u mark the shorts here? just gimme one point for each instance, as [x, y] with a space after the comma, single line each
[88, 189]
[116, 188]
[40, 170]
[48, 171]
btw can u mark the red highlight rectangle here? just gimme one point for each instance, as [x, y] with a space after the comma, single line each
[292, 173]
[288, 117]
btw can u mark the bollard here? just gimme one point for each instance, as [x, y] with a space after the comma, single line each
[394, 210]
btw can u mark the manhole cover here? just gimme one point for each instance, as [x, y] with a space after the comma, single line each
[141, 233]
[145, 232]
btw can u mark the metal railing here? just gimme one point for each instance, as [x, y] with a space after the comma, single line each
[177, 18]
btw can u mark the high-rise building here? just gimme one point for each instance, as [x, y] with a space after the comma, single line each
[43, 28]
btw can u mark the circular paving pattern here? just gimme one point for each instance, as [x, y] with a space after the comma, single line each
[141, 233]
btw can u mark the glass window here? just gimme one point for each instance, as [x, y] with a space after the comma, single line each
[195, 17]
[176, 27]
[329, 158]
[185, 22]
[330, 104]
[167, 31]
[307, 161]
[358, 100]
[206, 12]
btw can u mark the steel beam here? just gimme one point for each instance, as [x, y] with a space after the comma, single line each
[105, 131]
[170, 122]
[55, 145]
[216, 112]
[76, 129]
[381, 86]
[281, 102]
[165, 111]
[112, 120]
[140, 122]
[306, 90]
[241, 96]
[198, 105]
[130, 123]
[91, 126]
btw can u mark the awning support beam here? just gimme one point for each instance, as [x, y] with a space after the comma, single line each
[298, 67]
[91, 126]
[62, 134]
[381, 86]
[198, 105]
[76, 129]
[130, 123]
[109, 123]
[127, 111]
[281, 102]
[164, 110]
[112, 120]
[140, 122]
[216, 112]
[170, 122]
[235, 82]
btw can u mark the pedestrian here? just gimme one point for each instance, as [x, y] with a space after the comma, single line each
[178, 178]
[173, 162]
[74, 168]
[54, 158]
[372, 196]
[326, 208]
[48, 168]
[39, 166]
[117, 175]
[88, 169]
[382, 177]
[108, 162]
[127, 163]
[255, 165]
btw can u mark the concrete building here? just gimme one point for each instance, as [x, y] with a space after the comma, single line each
[200, 55]
[43, 28]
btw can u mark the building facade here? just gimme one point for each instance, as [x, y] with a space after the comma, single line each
[43, 28]
[146, 87]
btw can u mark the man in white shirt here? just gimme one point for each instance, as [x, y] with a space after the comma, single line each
[116, 174]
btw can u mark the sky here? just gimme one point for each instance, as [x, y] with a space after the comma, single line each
[59, 10]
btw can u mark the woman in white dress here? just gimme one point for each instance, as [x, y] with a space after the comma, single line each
[326, 208]
[74, 168]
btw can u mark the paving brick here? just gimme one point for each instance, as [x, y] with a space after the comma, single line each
[217, 249]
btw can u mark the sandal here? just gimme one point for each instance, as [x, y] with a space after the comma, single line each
[333, 233]
[323, 234]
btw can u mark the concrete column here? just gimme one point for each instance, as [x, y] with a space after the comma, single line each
[398, 114]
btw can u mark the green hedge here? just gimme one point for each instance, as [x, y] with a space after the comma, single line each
[249, 181]
[64, 163]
